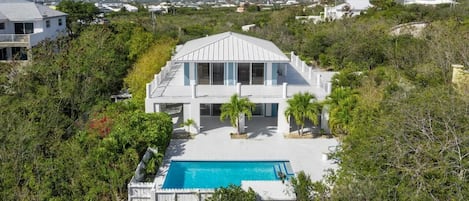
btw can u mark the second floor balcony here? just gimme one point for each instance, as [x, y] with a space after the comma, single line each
[20, 40]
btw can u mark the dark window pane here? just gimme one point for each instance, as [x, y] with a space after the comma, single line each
[205, 109]
[216, 111]
[203, 73]
[243, 73]
[218, 72]
[28, 28]
[259, 110]
[257, 73]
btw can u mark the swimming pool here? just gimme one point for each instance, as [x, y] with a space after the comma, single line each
[215, 174]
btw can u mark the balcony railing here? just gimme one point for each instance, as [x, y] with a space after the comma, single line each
[14, 38]
[26, 40]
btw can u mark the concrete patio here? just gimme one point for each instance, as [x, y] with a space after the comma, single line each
[263, 143]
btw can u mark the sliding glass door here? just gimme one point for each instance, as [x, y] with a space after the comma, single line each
[244, 73]
[218, 73]
[203, 73]
[257, 73]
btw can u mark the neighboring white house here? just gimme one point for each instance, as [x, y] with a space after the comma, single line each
[428, 2]
[348, 9]
[24, 24]
[204, 73]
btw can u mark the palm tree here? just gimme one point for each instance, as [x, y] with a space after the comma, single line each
[303, 106]
[341, 103]
[235, 109]
[188, 123]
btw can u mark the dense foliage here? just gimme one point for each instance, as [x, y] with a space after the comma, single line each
[61, 139]
[403, 128]
[233, 193]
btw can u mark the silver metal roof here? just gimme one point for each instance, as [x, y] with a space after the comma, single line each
[19, 10]
[230, 46]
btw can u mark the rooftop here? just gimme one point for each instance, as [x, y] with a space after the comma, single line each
[20, 10]
[228, 47]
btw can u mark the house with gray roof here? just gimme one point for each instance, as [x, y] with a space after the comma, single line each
[23, 24]
[204, 73]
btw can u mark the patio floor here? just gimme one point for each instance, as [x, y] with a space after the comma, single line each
[263, 143]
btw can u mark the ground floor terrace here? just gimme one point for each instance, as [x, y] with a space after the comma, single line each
[213, 143]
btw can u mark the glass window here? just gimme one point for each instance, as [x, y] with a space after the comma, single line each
[3, 54]
[259, 110]
[47, 23]
[28, 28]
[218, 72]
[216, 109]
[205, 109]
[203, 73]
[2, 26]
[243, 73]
[257, 73]
[60, 22]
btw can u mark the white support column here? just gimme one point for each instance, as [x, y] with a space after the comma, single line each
[192, 111]
[148, 89]
[284, 94]
[242, 123]
[238, 88]
[310, 72]
[303, 66]
[149, 108]
[194, 90]
[325, 120]
[192, 73]
[318, 80]
[283, 127]
[329, 88]
[269, 74]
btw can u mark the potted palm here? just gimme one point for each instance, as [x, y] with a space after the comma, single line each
[303, 106]
[236, 109]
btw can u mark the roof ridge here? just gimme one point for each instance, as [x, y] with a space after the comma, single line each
[208, 44]
[267, 50]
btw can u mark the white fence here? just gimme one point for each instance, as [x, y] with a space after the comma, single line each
[140, 191]
[183, 194]
[309, 73]
[158, 79]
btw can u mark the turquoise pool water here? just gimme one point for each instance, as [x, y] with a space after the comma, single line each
[215, 174]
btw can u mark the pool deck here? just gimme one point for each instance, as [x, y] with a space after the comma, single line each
[263, 143]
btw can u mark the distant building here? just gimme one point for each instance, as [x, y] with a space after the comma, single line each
[428, 2]
[412, 28]
[248, 27]
[348, 9]
[23, 24]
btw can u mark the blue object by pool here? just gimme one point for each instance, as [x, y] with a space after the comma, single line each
[215, 174]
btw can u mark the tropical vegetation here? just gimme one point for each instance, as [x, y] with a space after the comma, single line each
[301, 107]
[402, 126]
[233, 193]
[236, 109]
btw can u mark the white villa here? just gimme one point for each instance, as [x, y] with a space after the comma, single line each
[428, 2]
[23, 24]
[204, 73]
[350, 8]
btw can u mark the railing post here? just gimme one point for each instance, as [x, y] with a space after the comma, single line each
[238, 88]
[310, 72]
[148, 90]
[318, 81]
[284, 94]
[329, 88]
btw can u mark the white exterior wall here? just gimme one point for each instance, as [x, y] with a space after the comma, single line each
[283, 126]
